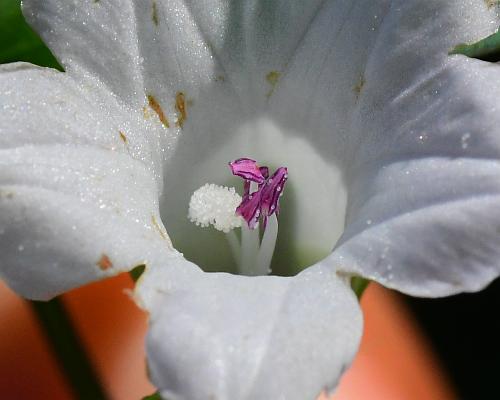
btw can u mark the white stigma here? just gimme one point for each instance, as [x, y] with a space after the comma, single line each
[215, 205]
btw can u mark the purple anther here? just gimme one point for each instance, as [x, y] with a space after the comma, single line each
[265, 200]
[271, 192]
[247, 169]
[249, 209]
[264, 171]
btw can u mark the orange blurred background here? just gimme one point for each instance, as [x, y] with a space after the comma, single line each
[394, 361]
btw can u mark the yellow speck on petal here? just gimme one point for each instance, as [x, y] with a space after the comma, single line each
[8, 195]
[358, 88]
[154, 13]
[104, 263]
[153, 103]
[123, 137]
[163, 234]
[272, 78]
[181, 108]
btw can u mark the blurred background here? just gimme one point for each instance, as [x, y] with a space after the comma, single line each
[395, 361]
[412, 348]
[464, 332]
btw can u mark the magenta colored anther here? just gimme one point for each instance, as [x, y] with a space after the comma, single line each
[265, 200]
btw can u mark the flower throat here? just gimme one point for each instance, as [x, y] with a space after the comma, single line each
[255, 213]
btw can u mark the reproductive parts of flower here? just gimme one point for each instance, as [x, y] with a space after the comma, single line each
[265, 200]
[225, 210]
[214, 205]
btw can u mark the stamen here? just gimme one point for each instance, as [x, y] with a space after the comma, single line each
[267, 245]
[223, 208]
[263, 202]
[249, 252]
[247, 169]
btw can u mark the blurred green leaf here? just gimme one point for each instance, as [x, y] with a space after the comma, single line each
[136, 272]
[154, 396]
[18, 42]
[487, 49]
[68, 349]
[359, 284]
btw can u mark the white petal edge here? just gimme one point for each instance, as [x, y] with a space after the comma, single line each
[221, 336]
[423, 215]
[77, 202]
[92, 40]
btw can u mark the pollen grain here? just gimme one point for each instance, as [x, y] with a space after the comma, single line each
[272, 78]
[181, 108]
[123, 137]
[153, 103]
[154, 13]
[358, 88]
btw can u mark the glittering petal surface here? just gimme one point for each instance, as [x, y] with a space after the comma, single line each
[410, 128]
[93, 39]
[75, 205]
[416, 133]
[235, 337]
[424, 186]
[392, 144]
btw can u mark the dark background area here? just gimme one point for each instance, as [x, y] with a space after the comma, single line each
[464, 330]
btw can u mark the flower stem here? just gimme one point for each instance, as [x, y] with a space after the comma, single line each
[234, 245]
[267, 246]
[70, 354]
[249, 250]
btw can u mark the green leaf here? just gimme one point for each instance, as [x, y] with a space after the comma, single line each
[154, 396]
[136, 272]
[68, 349]
[18, 42]
[358, 285]
[487, 49]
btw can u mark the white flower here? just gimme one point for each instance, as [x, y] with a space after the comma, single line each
[392, 148]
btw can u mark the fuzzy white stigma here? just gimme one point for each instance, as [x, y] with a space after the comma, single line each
[215, 205]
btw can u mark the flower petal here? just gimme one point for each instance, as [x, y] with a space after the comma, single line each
[96, 39]
[424, 211]
[232, 337]
[199, 44]
[396, 102]
[79, 184]
[175, 46]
